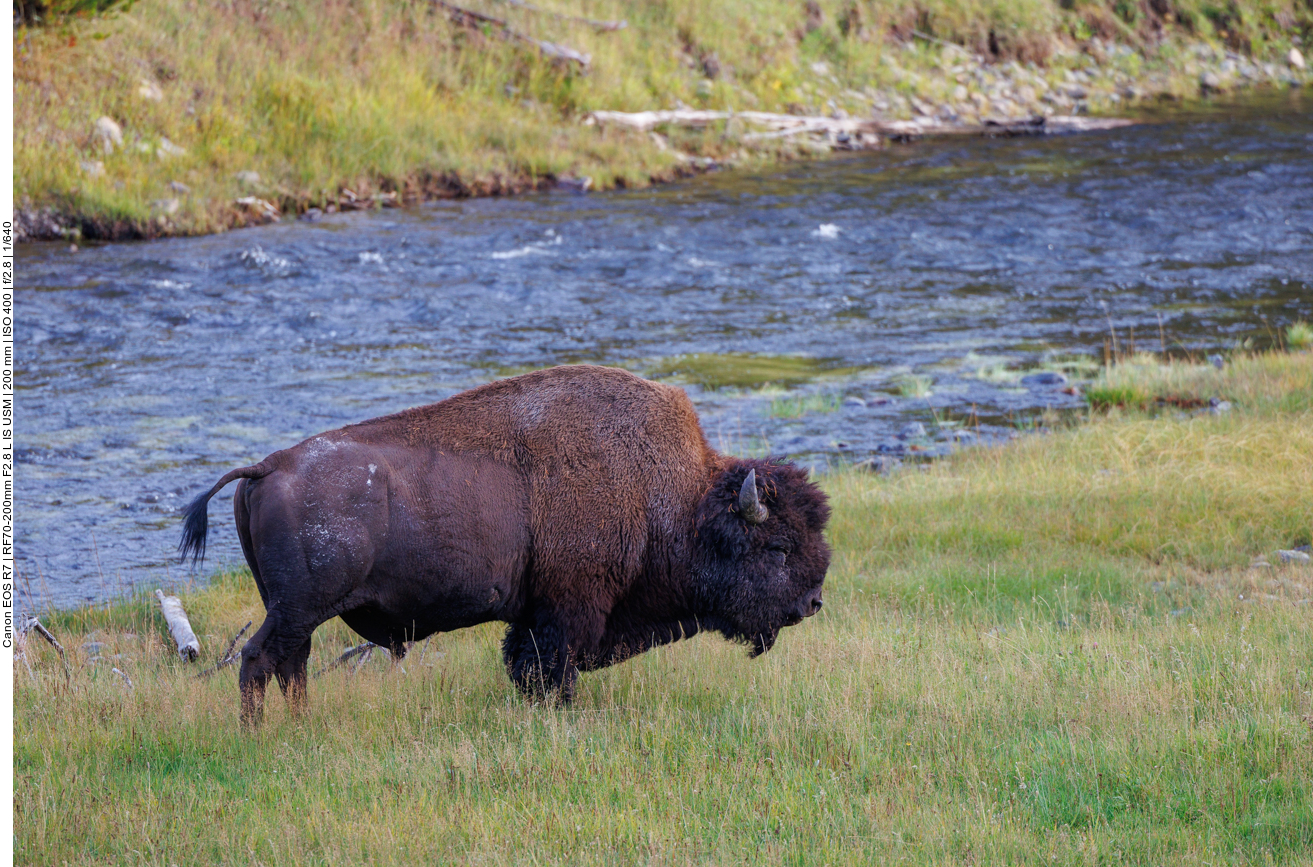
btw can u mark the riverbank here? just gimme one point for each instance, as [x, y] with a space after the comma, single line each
[1080, 647]
[176, 118]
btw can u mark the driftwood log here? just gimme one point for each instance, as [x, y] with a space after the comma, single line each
[179, 626]
[1058, 124]
[850, 133]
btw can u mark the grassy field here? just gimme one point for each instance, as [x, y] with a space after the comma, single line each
[1060, 651]
[226, 113]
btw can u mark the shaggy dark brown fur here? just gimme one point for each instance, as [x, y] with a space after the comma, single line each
[582, 505]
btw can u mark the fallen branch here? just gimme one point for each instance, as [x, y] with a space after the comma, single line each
[604, 26]
[229, 657]
[471, 19]
[33, 624]
[126, 679]
[349, 654]
[179, 626]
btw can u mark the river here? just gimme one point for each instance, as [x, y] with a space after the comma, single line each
[817, 310]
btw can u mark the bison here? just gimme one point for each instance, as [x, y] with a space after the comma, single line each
[581, 505]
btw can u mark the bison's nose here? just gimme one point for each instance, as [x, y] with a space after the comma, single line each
[812, 603]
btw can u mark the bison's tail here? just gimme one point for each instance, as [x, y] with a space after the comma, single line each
[195, 517]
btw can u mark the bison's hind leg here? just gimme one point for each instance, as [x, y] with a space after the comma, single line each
[291, 674]
[273, 649]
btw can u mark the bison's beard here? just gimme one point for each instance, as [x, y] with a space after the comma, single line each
[759, 639]
[762, 642]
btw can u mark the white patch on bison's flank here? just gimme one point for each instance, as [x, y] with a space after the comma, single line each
[320, 445]
[372, 468]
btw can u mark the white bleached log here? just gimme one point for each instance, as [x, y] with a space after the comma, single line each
[693, 117]
[179, 626]
[1057, 124]
[782, 125]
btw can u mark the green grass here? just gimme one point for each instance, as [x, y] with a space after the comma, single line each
[390, 97]
[1051, 652]
[804, 404]
[1258, 383]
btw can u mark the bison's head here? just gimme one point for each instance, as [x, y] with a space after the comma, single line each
[760, 553]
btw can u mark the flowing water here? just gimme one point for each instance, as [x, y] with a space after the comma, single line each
[817, 311]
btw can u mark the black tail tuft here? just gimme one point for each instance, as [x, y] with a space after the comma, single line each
[196, 518]
[195, 526]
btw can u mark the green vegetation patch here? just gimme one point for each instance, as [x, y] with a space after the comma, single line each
[744, 370]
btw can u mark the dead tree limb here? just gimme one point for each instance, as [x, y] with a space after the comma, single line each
[127, 680]
[228, 657]
[349, 654]
[35, 625]
[604, 26]
[473, 20]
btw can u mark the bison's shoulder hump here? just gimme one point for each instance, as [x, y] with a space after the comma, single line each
[570, 404]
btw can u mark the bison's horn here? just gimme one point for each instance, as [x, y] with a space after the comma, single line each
[749, 506]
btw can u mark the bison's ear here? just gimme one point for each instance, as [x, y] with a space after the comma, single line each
[750, 506]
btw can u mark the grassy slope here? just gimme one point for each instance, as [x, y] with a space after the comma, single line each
[373, 95]
[1052, 652]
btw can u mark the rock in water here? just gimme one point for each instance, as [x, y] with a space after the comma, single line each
[913, 431]
[1047, 377]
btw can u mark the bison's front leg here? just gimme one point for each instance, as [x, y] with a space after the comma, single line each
[541, 656]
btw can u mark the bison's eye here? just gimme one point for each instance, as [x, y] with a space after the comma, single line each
[782, 550]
